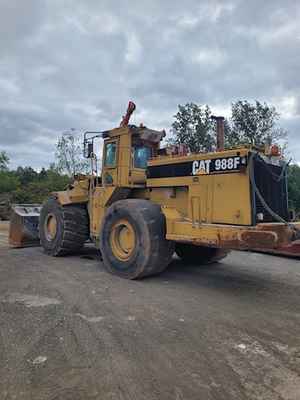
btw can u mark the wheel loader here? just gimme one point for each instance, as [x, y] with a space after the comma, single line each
[151, 201]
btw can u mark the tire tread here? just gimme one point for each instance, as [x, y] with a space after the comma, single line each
[75, 227]
[160, 254]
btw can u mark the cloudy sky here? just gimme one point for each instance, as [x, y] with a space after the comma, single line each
[75, 64]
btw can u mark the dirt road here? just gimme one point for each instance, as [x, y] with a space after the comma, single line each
[71, 331]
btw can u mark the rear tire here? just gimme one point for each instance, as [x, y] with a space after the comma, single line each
[63, 229]
[133, 239]
[199, 255]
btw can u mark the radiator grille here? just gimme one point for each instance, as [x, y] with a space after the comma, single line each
[274, 191]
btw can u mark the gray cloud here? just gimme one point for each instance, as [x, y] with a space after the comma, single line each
[76, 64]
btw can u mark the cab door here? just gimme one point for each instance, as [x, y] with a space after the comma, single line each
[110, 163]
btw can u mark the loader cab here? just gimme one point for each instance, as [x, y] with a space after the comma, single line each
[125, 155]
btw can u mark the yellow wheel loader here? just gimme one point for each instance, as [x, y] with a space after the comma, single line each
[150, 202]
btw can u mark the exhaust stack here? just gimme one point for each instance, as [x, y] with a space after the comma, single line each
[220, 132]
[125, 120]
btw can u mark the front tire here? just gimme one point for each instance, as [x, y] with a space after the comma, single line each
[133, 239]
[199, 255]
[63, 229]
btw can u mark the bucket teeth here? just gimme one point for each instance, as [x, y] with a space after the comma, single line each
[24, 223]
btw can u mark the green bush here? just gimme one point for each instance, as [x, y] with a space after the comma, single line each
[25, 185]
[294, 187]
[8, 182]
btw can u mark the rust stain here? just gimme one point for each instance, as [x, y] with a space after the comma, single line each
[259, 239]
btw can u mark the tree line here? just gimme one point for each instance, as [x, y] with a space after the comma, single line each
[26, 185]
[249, 123]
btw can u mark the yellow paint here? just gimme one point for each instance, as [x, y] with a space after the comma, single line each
[122, 240]
[207, 209]
[76, 193]
[50, 226]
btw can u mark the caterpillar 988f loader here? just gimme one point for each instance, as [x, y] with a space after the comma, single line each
[151, 202]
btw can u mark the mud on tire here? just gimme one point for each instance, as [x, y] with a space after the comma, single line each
[151, 252]
[71, 227]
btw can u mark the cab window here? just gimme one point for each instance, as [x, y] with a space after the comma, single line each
[141, 156]
[110, 154]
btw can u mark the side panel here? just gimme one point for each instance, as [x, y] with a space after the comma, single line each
[217, 184]
[231, 199]
[219, 199]
[176, 197]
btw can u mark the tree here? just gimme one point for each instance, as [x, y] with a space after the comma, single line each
[193, 127]
[69, 156]
[8, 181]
[4, 161]
[294, 186]
[26, 175]
[42, 174]
[253, 123]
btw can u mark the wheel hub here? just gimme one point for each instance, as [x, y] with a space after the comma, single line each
[122, 240]
[50, 227]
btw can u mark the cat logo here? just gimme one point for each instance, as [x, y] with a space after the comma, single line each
[201, 167]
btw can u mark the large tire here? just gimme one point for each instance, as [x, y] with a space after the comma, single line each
[145, 251]
[63, 229]
[199, 255]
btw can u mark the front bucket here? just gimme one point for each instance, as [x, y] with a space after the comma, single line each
[24, 225]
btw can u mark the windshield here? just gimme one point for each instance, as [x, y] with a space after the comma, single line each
[141, 156]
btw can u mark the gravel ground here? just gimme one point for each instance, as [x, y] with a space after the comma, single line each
[70, 331]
